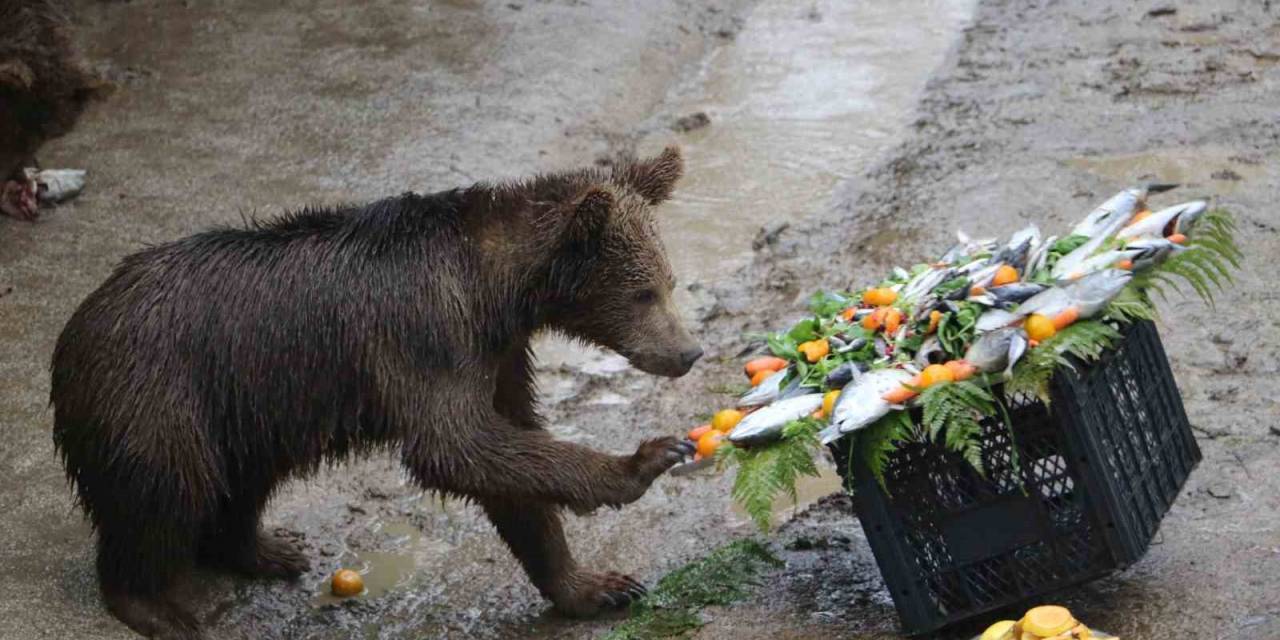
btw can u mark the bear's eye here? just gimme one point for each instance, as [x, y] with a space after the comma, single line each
[648, 296]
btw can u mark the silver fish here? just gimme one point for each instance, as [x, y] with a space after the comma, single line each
[1176, 219]
[930, 352]
[1091, 294]
[1040, 255]
[843, 375]
[765, 425]
[1117, 210]
[861, 403]
[1049, 302]
[925, 282]
[1005, 296]
[1104, 260]
[1070, 264]
[998, 349]
[1015, 253]
[1152, 251]
[983, 277]
[995, 319]
[767, 391]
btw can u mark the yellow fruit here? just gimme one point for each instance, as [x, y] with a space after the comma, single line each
[724, 421]
[829, 402]
[1039, 327]
[815, 350]
[1005, 275]
[892, 320]
[874, 320]
[935, 317]
[998, 631]
[698, 432]
[935, 373]
[879, 297]
[346, 583]
[1049, 620]
[709, 442]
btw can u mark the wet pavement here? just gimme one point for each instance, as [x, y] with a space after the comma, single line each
[1036, 112]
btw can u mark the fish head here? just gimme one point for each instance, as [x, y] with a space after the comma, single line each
[990, 352]
[610, 282]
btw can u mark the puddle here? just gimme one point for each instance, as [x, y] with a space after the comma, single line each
[1213, 170]
[806, 95]
[383, 571]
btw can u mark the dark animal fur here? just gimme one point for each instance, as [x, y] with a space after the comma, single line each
[44, 86]
[206, 371]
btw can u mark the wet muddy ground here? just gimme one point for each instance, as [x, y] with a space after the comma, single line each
[1034, 113]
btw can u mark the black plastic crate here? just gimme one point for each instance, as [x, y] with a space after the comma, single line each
[1077, 493]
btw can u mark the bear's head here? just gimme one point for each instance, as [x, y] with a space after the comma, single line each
[620, 296]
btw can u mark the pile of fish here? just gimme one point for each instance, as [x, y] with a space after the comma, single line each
[977, 309]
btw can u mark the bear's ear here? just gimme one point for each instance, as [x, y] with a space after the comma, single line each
[655, 178]
[590, 213]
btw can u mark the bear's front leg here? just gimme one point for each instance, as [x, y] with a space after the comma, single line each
[535, 537]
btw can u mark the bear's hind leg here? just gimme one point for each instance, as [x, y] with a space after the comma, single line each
[236, 542]
[533, 533]
[136, 569]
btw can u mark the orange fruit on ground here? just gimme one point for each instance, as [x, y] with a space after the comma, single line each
[1039, 327]
[1005, 275]
[346, 583]
[935, 373]
[760, 376]
[829, 402]
[767, 363]
[709, 442]
[724, 421]
[697, 432]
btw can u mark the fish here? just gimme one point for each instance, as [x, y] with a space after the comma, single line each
[1013, 293]
[930, 352]
[1019, 247]
[840, 346]
[1091, 294]
[1040, 255]
[994, 319]
[1152, 251]
[1109, 216]
[861, 403]
[925, 282]
[1098, 262]
[766, 424]
[1072, 263]
[1049, 303]
[844, 374]
[983, 277]
[767, 391]
[1176, 219]
[998, 349]
[965, 246]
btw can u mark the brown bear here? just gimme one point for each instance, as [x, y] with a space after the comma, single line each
[206, 371]
[44, 88]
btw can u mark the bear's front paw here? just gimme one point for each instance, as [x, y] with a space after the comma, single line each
[653, 457]
[588, 594]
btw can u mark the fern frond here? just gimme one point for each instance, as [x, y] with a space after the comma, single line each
[1085, 340]
[767, 471]
[877, 442]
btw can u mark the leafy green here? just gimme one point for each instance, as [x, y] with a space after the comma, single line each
[764, 472]
[1085, 340]
[876, 443]
[954, 411]
[1205, 265]
[957, 329]
[672, 608]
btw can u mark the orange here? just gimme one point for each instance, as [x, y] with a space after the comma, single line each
[977, 290]
[1065, 318]
[1005, 275]
[1140, 216]
[1039, 327]
[724, 421]
[847, 314]
[879, 297]
[892, 320]
[904, 392]
[709, 442]
[1178, 238]
[1124, 264]
[935, 317]
[767, 363]
[698, 431]
[961, 370]
[935, 373]
[815, 350]
[760, 376]
[346, 583]
[874, 320]
[829, 402]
